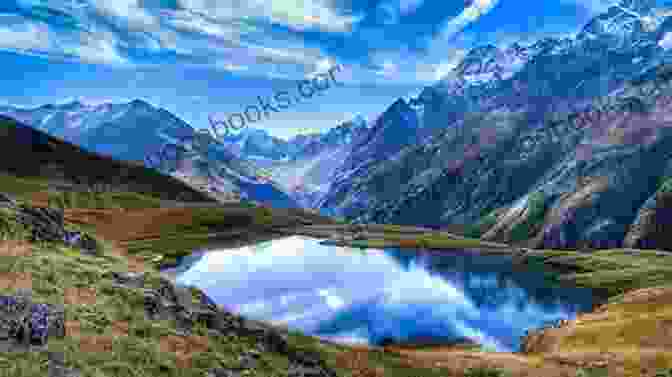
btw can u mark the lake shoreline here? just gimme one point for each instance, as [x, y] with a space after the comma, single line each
[570, 266]
[320, 232]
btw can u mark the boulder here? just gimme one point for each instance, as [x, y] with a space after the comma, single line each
[26, 323]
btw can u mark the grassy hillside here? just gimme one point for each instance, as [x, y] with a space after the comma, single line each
[107, 333]
[37, 158]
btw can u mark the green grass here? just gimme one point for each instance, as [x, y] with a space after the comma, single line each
[263, 216]
[430, 242]
[614, 270]
[391, 363]
[54, 268]
[664, 373]
[592, 372]
[181, 238]
[21, 187]
[24, 188]
[484, 372]
[102, 200]
[9, 227]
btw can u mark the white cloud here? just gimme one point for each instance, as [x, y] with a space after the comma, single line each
[39, 39]
[295, 14]
[197, 24]
[232, 67]
[469, 15]
[666, 42]
[129, 12]
[26, 36]
[99, 48]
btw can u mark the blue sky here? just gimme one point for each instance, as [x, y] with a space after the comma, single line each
[199, 57]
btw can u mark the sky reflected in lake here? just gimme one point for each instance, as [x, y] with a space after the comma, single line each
[366, 296]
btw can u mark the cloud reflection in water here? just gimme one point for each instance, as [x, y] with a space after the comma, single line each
[376, 294]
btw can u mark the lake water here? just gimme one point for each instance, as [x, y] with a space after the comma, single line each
[366, 296]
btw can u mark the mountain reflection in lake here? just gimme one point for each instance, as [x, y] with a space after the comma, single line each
[352, 295]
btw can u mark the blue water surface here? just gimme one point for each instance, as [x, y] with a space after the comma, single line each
[367, 296]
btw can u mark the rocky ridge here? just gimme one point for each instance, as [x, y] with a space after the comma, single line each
[588, 143]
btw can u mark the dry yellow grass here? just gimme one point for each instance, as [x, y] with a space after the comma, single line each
[632, 337]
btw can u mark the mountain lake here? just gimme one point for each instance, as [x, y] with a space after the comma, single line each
[375, 296]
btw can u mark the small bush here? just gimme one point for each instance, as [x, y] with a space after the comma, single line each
[592, 372]
[664, 373]
[665, 185]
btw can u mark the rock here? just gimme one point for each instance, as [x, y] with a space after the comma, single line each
[359, 236]
[653, 221]
[129, 279]
[307, 358]
[57, 366]
[7, 201]
[277, 342]
[82, 241]
[88, 244]
[202, 313]
[301, 371]
[175, 303]
[247, 361]
[22, 322]
[56, 321]
[183, 298]
[48, 224]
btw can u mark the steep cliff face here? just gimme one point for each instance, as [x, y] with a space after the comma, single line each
[650, 228]
[566, 139]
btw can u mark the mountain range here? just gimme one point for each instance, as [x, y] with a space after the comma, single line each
[559, 143]
[36, 162]
[140, 132]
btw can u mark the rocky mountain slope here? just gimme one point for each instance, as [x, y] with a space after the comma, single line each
[307, 172]
[302, 166]
[139, 132]
[559, 143]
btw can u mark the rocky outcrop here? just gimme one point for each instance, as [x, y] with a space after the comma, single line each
[651, 228]
[47, 224]
[168, 301]
[25, 325]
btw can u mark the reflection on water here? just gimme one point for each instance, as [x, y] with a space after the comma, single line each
[366, 296]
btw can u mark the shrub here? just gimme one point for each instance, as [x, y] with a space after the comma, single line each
[665, 184]
[664, 373]
[592, 372]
